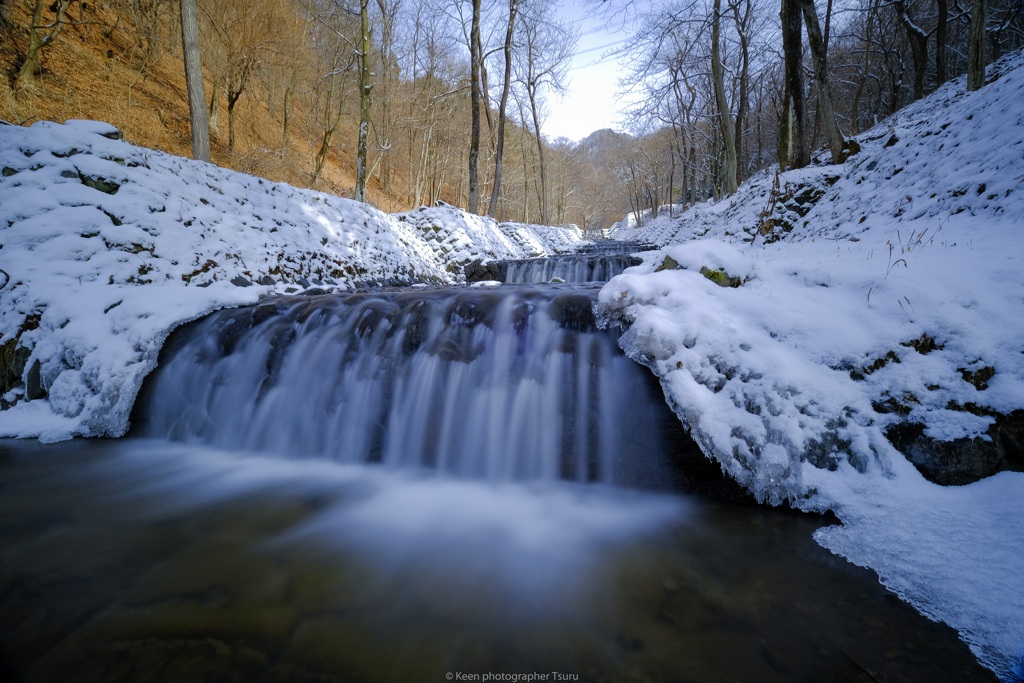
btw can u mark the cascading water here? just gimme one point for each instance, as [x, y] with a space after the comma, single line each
[569, 268]
[501, 384]
[234, 564]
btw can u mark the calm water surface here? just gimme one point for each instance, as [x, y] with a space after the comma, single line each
[141, 560]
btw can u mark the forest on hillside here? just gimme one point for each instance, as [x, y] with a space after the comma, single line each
[407, 102]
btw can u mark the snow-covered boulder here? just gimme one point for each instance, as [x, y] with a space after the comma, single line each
[105, 247]
[892, 282]
[877, 313]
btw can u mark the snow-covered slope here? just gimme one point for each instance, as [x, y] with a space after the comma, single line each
[885, 291]
[105, 247]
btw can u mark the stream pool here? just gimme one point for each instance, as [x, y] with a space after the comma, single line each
[145, 560]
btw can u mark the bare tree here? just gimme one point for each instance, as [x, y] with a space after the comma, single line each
[194, 81]
[246, 34]
[475, 96]
[547, 50]
[513, 8]
[725, 120]
[147, 19]
[742, 13]
[365, 88]
[331, 28]
[389, 88]
[41, 34]
[792, 131]
[828, 116]
[976, 45]
[941, 28]
[917, 37]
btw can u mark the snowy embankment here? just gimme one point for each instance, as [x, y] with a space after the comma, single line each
[105, 247]
[796, 332]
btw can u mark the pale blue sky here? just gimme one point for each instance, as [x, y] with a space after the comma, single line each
[591, 103]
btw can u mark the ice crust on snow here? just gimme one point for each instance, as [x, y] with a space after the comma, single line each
[785, 379]
[109, 246]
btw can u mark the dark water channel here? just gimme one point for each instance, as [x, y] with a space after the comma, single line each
[421, 485]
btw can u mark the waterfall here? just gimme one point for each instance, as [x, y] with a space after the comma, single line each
[570, 268]
[498, 384]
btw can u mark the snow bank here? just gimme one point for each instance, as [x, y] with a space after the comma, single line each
[791, 327]
[458, 238]
[105, 247]
[543, 240]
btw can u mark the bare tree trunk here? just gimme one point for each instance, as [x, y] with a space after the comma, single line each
[485, 90]
[828, 116]
[364, 99]
[742, 20]
[942, 21]
[725, 123]
[37, 41]
[387, 121]
[474, 99]
[828, 28]
[855, 116]
[194, 81]
[233, 96]
[287, 114]
[792, 133]
[976, 46]
[321, 155]
[534, 112]
[918, 40]
[214, 106]
[499, 151]
[331, 121]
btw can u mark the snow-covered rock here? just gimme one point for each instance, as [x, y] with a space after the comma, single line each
[888, 290]
[105, 247]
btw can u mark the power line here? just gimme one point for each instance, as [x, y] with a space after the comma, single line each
[602, 47]
[586, 66]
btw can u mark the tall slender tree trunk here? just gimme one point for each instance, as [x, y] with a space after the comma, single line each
[287, 114]
[535, 113]
[859, 93]
[792, 133]
[828, 115]
[364, 99]
[474, 105]
[976, 46]
[941, 24]
[331, 122]
[321, 155]
[725, 122]
[387, 121]
[499, 151]
[828, 28]
[918, 40]
[214, 109]
[741, 107]
[194, 81]
[742, 19]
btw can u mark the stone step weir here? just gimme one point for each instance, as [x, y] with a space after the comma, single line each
[595, 262]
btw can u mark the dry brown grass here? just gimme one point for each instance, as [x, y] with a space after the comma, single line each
[93, 71]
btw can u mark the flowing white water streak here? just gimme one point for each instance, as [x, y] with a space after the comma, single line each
[498, 384]
[572, 268]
